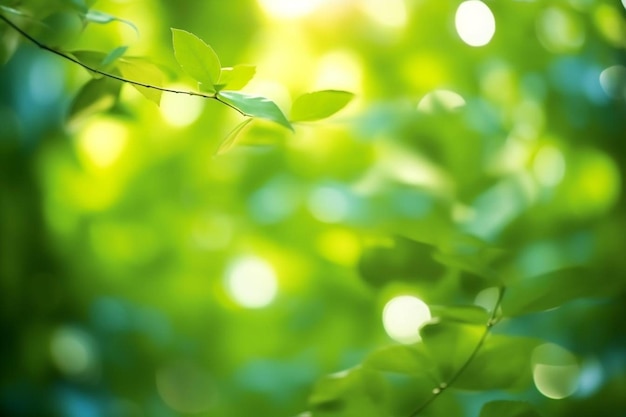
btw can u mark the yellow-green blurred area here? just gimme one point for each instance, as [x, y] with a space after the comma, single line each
[142, 275]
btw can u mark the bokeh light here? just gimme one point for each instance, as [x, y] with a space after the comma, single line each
[403, 316]
[475, 23]
[555, 371]
[251, 282]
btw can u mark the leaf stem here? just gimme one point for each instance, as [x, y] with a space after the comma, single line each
[437, 391]
[109, 75]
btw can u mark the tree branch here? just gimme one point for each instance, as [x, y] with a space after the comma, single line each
[109, 75]
[437, 391]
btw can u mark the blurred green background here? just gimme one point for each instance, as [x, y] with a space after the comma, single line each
[140, 275]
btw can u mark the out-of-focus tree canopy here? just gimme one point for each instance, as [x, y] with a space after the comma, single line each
[448, 244]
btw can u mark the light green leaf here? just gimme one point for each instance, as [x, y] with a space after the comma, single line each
[450, 345]
[503, 362]
[504, 408]
[197, 58]
[142, 71]
[96, 16]
[546, 291]
[319, 105]
[255, 106]
[95, 96]
[235, 78]
[411, 360]
[113, 56]
[231, 139]
[461, 314]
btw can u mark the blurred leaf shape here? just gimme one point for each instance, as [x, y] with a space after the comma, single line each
[451, 345]
[95, 96]
[96, 16]
[197, 58]
[255, 106]
[319, 105]
[143, 71]
[503, 362]
[402, 359]
[505, 408]
[550, 290]
[469, 314]
[230, 140]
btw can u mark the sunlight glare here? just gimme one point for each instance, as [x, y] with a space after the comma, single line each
[180, 110]
[549, 166]
[251, 282]
[390, 13]
[475, 23]
[403, 316]
[440, 99]
[290, 9]
[102, 142]
[72, 352]
[329, 205]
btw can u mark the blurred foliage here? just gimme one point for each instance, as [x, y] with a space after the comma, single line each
[471, 192]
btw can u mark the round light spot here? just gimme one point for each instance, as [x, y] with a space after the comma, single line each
[549, 166]
[475, 23]
[185, 388]
[555, 371]
[180, 110]
[390, 13]
[73, 352]
[613, 81]
[403, 316]
[251, 282]
[440, 100]
[559, 31]
[329, 204]
[101, 143]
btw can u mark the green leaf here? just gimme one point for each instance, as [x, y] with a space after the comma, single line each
[95, 96]
[461, 314]
[319, 105]
[503, 362]
[255, 106]
[113, 56]
[96, 16]
[235, 78]
[546, 291]
[403, 260]
[470, 254]
[197, 58]
[505, 408]
[139, 70]
[357, 392]
[403, 359]
[450, 345]
[231, 139]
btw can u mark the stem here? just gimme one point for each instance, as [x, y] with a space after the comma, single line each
[442, 387]
[109, 75]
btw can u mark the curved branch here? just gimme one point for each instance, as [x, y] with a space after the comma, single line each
[437, 391]
[107, 74]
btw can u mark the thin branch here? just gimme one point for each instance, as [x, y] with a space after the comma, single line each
[437, 391]
[109, 75]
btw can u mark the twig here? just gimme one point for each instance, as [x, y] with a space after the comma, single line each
[437, 391]
[109, 75]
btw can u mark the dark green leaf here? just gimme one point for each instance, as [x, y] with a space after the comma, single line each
[461, 314]
[503, 408]
[503, 362]
[546, 291]
[401, 260]
[96, 16]
[319, 105]
[403, 359]
[142, 71]
[231, 139]
[450, 345]
[95, 96]
[197, 58]
[235, 78]
[255, 106]
[470, 254]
